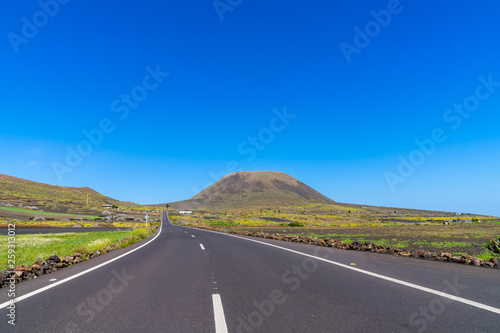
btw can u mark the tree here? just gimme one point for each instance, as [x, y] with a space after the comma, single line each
[166, 206]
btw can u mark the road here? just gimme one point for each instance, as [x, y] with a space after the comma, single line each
[191, 280]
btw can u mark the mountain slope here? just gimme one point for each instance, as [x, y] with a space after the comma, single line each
[22, 188]
[253, 189]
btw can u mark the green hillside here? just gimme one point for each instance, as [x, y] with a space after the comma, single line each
[22, 188]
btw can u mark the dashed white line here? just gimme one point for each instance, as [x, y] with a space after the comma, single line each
[192, 236]
[220, 319]
[202, 247]
[379, 276]
[33, 293]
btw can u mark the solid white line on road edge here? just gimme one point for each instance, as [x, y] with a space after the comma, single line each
[220, 319]
[383, 277]
[202, 247]
[33, 293]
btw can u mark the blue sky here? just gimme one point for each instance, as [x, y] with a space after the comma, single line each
[334, 94]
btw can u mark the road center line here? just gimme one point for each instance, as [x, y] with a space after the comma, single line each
[220, 319]
[202, 247]
[379, 276]
[33, 293]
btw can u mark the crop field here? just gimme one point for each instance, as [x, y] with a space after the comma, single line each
[330, 216]
[74, 224]
[39, 213]
[462, 234]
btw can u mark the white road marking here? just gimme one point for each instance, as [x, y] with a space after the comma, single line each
[35, 292]
[52, 280]
[220, 319]
[192, 236]
[380, 276]
[202, 247]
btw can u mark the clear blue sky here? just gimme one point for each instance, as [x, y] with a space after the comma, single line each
[364, 80]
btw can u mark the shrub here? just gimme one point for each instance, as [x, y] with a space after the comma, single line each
[494, 246]
[141, 233]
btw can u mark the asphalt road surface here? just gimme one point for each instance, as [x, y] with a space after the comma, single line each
[191, 280]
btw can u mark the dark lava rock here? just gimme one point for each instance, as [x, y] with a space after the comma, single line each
[54, 258]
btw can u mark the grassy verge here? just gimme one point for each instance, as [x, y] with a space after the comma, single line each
[31, 247]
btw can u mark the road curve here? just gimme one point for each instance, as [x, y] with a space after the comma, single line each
[192, 280]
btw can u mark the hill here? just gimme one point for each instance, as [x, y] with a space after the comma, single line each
[250, 189]
[13, 187]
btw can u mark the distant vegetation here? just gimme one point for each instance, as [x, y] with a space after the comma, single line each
[466, 234]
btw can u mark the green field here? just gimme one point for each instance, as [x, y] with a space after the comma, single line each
[35, 212]
[31, 247]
